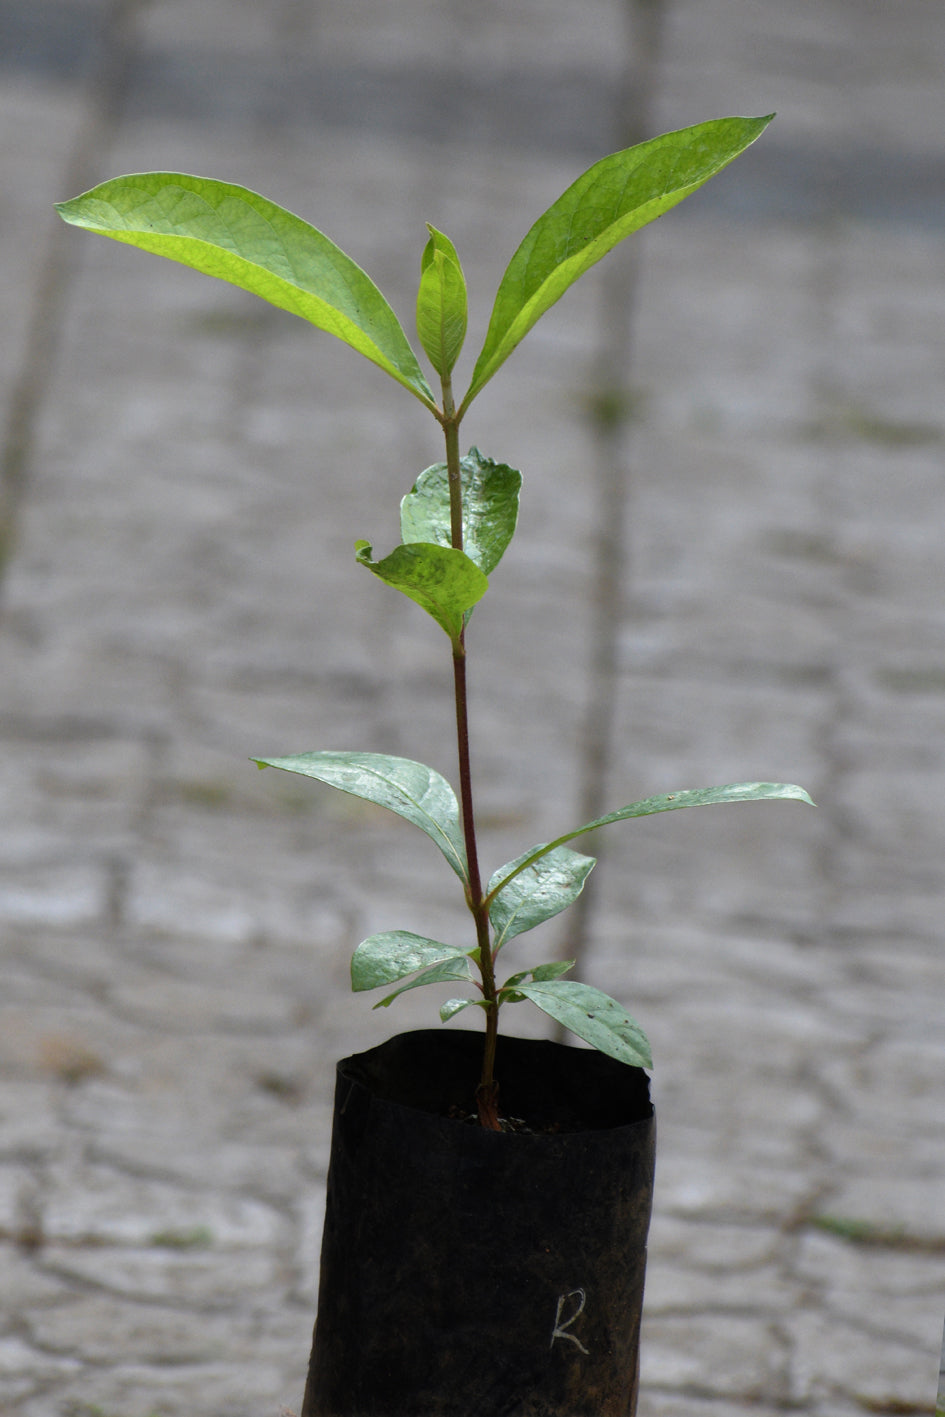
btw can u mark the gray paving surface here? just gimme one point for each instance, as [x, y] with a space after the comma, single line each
[760, 594]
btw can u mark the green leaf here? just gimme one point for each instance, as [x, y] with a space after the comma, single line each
[452, 1007]
[668, 802]
[593, 1016]
[410, 789]
[514, 980]
[540, 889]
[238, 236]
[444, 582]
[490, 508]
[441, 303]
[541, 973]
[446, 973]
[554, 970]
[381, 959]
[614, 198]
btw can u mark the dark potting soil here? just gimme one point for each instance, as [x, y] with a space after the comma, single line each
[506, 1124]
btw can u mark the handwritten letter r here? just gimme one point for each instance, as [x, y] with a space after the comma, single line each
[560, 1329]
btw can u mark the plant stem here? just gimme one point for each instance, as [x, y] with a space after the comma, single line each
[453, 469]
[487, 1092]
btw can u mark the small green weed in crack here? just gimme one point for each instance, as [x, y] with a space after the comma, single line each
[197, 1237]
[852, 421]
[869, 1232]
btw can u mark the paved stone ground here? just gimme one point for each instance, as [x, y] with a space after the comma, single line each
[759, 593]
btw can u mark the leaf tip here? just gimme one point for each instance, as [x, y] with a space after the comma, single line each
[793, 793]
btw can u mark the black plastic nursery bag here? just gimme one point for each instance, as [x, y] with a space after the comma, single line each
[471, 1273]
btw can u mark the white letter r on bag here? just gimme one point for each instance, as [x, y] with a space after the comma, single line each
[560, 1329]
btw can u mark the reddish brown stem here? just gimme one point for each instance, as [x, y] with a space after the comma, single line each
[487, 1092]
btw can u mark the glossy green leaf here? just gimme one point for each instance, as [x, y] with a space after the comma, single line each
[667, 802]
[614, 198]
[441, 303]
[514, 980]
[410, 789]
[490, 508]
[540, 889]
[443, 582]
[446, 973]
[382, 959]
[238, 236]
[593, 1016]
[554, 970]
[452, 1007]
[541, 973]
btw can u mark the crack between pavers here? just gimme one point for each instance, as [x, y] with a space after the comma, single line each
[610, 411]
[104, 90]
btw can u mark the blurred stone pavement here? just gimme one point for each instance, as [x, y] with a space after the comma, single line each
[730, 566]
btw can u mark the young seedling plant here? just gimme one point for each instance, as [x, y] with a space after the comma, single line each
[456, 523]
